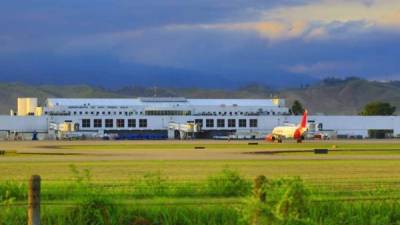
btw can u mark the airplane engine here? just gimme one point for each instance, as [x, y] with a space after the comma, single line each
[270, 138]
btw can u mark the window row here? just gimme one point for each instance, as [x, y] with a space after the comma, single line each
[160, 113]
[97, 113]
[231, 123]
[239, 113]
[167, 113]
[109, 123]
[103, 113]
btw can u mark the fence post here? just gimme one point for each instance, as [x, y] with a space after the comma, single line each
[34, 200]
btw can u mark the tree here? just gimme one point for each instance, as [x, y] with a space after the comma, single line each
[297, 108]
[378, 109]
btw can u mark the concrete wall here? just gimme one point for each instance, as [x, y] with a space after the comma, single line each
[23, 123]
[26, 106]
[353, 125]
[349, 125]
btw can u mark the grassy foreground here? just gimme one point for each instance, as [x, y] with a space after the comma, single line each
[224, 198]
[173, 183]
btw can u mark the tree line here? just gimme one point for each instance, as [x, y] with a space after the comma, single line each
[375, 108]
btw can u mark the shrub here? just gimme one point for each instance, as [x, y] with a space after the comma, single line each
[228, 183]
[151, 185]
[92, 210]
[280, 201]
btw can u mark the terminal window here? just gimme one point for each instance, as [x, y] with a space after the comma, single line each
[109, 123]
[167, 113]
[199, 121]
[220, 123]
[97, 123]
[143, 123]
[120, 123]
[242, 123]
[131, 123]
[253, 123]
[85, 123]
[209, 123]
[231, 123]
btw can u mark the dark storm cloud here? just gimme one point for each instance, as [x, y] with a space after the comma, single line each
[61, 41]
[34, 24]
[106, 15]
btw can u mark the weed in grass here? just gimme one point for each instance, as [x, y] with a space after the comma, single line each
[141, 221]
[92, 210]
[13, 190]
[80, 176]
[228, 183]
[283, 201]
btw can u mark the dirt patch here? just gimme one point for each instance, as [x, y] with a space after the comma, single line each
[51, 147]
[49, 153]
[272, 152]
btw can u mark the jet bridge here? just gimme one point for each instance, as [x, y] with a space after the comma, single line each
[182, 130]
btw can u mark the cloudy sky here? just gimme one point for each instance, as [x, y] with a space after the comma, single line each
[64, 41]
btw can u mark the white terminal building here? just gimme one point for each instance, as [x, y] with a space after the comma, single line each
[176, 118]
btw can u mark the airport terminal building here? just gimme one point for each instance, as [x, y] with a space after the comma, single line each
[174, 118]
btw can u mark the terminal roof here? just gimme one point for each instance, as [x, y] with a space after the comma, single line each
[51, 102]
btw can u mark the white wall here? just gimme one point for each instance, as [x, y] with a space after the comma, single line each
[353, 125]
[23, 123]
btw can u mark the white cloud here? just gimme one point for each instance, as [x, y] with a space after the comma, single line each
[272, 30]
[316, 20]
[327, 11]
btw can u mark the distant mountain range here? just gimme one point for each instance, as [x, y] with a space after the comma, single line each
[330, 96]
[333, 96]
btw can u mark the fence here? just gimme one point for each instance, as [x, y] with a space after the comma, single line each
[34, 200]
[36, 192]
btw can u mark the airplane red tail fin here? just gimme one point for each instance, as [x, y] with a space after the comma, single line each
[303, 123]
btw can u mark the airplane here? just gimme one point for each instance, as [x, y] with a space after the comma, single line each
[296, 132]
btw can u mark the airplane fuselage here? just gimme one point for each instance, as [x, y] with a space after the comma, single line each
[284, 132]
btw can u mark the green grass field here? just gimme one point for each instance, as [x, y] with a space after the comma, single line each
[348, 161]
[356, 176]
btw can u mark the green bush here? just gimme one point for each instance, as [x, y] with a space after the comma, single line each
[228, 183]
[282, 201]
[92, 210]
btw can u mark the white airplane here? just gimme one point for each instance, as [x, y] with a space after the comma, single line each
[296, 132]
